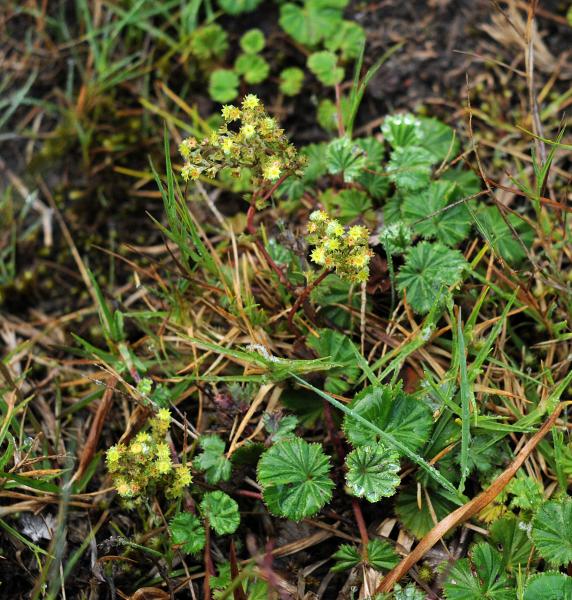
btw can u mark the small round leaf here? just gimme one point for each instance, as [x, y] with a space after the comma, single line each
[221, 511]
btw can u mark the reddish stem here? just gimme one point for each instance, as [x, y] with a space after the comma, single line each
[209, 566]
[305, 293]
[361, 525]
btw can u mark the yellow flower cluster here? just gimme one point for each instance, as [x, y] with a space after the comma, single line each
[145, 465]
[346, 251]
[250, 139]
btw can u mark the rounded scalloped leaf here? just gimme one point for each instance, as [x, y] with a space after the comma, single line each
[294, 476]
[552, 531]
[223, 85]
[394, 411]
[550, 585]
[324, 65]
[221, 511]
[188, 532]
[236, 7]
[252, 41]
[373, 472]
[252, 67]
[291, 80]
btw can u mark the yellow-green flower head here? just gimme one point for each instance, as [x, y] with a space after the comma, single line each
[136, 448]
[318, 216]
[312, 227]
[163, 466]
[123, 488]
[332, 244]
[247, 130]
[183, 476]
[334, 228]
[190, 172]
[186, 147]
[213, 138]
[250, 102]
[163, 451]
[230, 113]
[272, 170]
[357, 234]
[227, 145]
[113, 455]
[360, 260]
[362, 276]
[319, 255]
[164, 414]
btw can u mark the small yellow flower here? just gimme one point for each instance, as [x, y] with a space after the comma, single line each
[164, 414]
[163, 451]
[332, 244]
[113, 455]
[183, 476]
[334, 228]
[123, 488]
[230, 113]
[312, 227]
[136, 448]
[190, 172]
[319, 255]
[360, 260]
[186, 146]
[227, 145]
[357, 234]
[250, 102]
[163, 466]
[362, 276]
[318, 216]
[247, 130]
[272, 170]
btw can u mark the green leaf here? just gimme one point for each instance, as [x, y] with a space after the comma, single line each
[332, 344]
[438, 139]
[489, 582]
[280, 428]
[548, 586]
[380, 556]
[429, 217]
[221, 511]
[419, 521]
[512, 540]
[311, 23]
[237, 7]
[348, 39]
[291, 80]
[188, 532]
[212, 460]
[294, 476]
[528, 493]
[324, 66]
[372, 472]
[327, 113]
[252, 67]
[428, 268]
[402, 130]
[209, 42]
[409, 168]
[346, 557]
[409, 592]
[501, 236]
[552, 531]
[223, 85]
[348, 205]
[345, 157]
[252, 41]
[467, 182]
[393, 411]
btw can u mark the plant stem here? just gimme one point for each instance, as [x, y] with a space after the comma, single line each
[305, 293]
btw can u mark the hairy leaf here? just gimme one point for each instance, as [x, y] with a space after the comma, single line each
[416, 520]
[212, 459]
[407, 419]
[343, 156]
[428, 268]
[188, 532]
[548, 586]
[221, 511]
[552, 531]
[513, 541]
[409, 168]
[373, 472]
[294, 476]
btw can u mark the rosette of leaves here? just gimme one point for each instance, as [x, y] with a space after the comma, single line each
[552, 531]
[480, 577]
[407, 419]
[187, 531]
[336, 346]
[380, 556]
[324, 65]
[372, 472]
[428, 271]
[294, 476]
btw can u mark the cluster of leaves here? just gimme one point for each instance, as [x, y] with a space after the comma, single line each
[145, 465]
